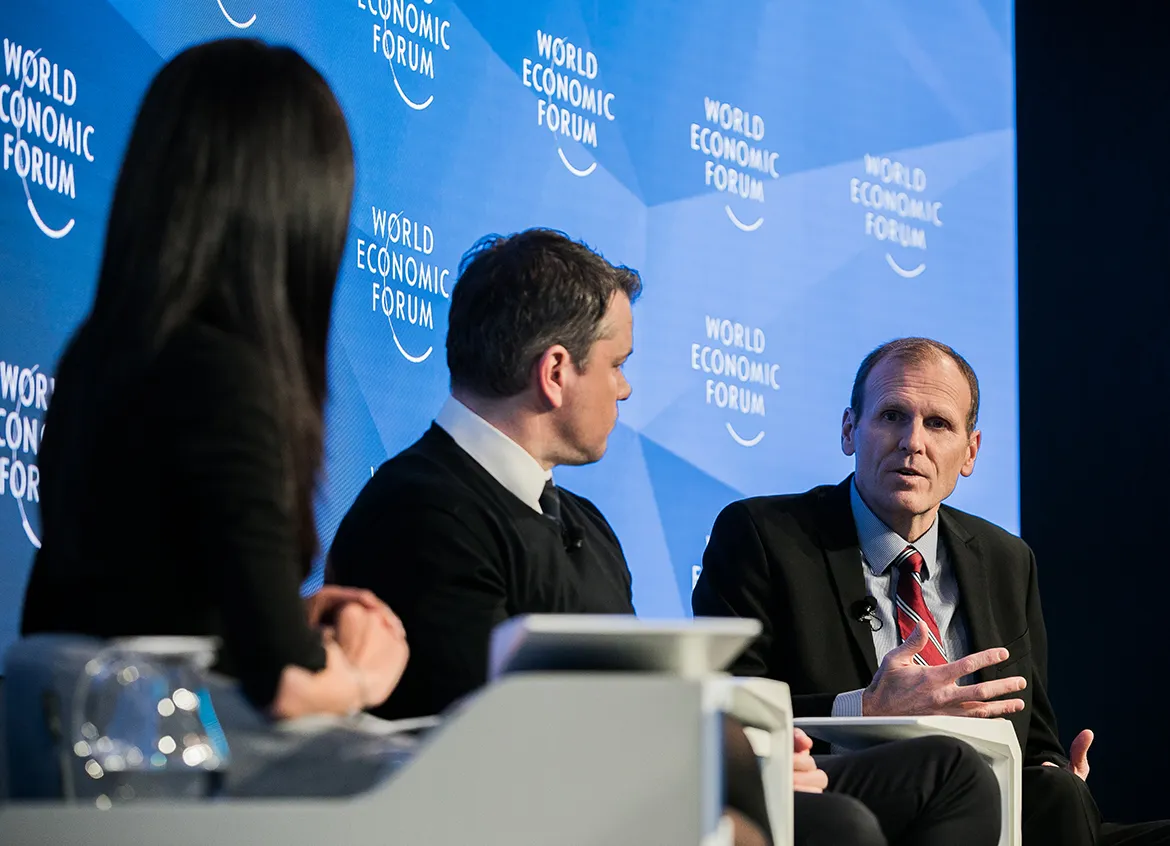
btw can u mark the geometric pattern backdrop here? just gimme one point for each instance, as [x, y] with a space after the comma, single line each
[797, 181]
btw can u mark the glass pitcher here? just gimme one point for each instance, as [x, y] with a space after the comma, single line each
[143, 726]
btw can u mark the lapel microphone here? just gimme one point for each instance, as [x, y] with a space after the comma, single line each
[573, 537]
[865, 611]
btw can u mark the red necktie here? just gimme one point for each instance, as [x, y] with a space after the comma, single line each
[912, 607]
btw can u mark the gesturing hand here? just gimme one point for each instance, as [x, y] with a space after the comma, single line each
[903, 688]
[806, 776]
[1078, 755]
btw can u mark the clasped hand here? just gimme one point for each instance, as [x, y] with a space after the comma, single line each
[370, 635]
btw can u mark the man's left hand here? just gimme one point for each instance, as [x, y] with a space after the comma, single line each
[1078, 755]
[807, 777]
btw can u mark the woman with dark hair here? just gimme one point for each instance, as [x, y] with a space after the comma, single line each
[185, 434]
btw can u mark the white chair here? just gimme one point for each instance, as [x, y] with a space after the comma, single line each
[697, 649]
[994, 740]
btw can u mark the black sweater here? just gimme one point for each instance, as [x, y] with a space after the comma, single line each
[454, 553]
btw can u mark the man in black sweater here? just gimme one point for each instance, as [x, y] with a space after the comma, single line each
[465, 529]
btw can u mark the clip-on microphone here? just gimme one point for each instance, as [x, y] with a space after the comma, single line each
[865, 611]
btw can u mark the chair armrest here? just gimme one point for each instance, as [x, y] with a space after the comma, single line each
[994, 740]
[764, 706]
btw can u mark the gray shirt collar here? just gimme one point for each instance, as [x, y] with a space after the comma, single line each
[881, 545]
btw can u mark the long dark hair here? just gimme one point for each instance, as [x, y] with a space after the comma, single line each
[231, 209]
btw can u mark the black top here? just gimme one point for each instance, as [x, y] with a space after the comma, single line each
[183, 526]
[454, 553]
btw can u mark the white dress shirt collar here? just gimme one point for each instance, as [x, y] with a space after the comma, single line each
[505, 460]
[881, 545]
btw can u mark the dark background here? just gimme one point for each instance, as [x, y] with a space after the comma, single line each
[1093, 98]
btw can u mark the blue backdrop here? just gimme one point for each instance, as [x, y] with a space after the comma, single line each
[797, 180]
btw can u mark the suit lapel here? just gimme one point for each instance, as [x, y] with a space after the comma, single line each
[843, 554]
[974, 590]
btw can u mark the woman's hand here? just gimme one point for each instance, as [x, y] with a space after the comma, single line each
[375, 647]
[321, 608]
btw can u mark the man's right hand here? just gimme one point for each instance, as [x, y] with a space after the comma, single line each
[902, 687]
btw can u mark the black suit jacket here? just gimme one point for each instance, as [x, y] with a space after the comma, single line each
[794, 563]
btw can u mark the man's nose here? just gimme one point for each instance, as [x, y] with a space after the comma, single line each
[624, 390]
[913, 437]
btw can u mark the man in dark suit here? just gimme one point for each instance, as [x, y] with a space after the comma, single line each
[872, 593]
[465, 528]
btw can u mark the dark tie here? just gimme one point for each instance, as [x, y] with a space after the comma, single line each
[550, 502]
[912, 607]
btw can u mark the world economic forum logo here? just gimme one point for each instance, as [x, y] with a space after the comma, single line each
[408, 36]
[736, 375]
[407, 281]
[238, 22]
[24, 398]
[43, 144]
[571, 101]
[736, 161]
[897, 211]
